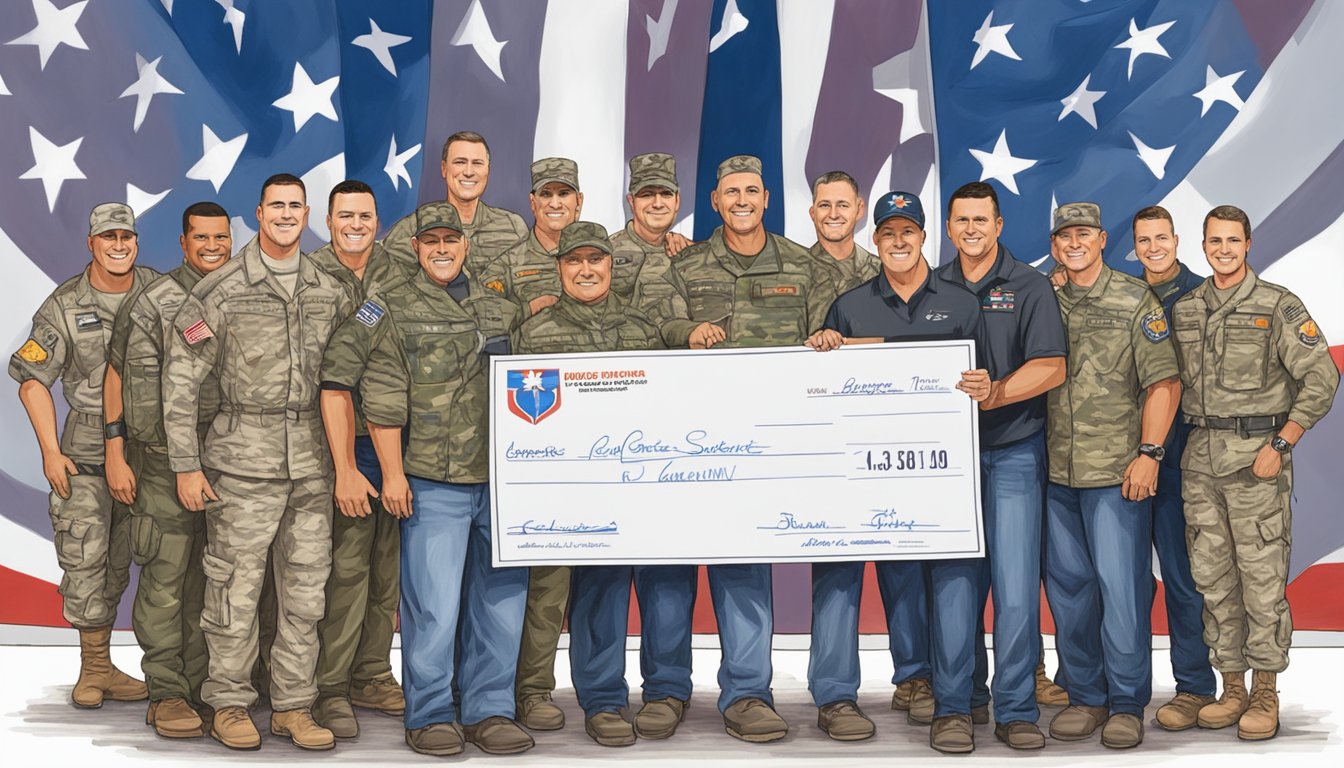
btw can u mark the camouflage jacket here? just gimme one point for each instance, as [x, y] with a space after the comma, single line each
[781, 299]
[1259, 354]
[859, 268]
[524, 272]
[491, 232]
[570, 326]
[1119, 345]
[638, 274]
[417, 358]
[69, 342]
[267, 351]
[137, 349]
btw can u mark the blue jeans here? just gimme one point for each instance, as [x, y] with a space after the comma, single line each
[743, 607]
[1099, 576]
[905, 600]
[599, 615]
[1185, 605]
[446, 577]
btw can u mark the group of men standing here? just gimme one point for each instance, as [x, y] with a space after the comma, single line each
[289, 444]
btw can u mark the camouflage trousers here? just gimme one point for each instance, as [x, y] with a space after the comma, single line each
[93, 547]
[547, 598]
[290, 520]
[1239, 533]
[167, 542]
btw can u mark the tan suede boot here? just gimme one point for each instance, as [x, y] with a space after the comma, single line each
[1229, 707]
[1261, 719]
[98, 678]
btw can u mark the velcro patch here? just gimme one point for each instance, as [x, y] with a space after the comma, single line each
[369, 313]
[1292, 311]
[1155, 326]
[87, 321]
[497, 286]
[999, 300]
[197, 332]
[527, 273]
[1308, 333]
[781, 290]
[33, 352]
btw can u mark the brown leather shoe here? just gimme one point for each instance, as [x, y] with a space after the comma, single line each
[1020, 734]
[1261, 719]
[658, 719]
[921, 702]
[498, 735]
[1049, 694]
[952, 734]
[98, 678]
[437, 739]
[1076, 722]
[980, 714]
[1229, 707]
[609, 729]
[751, 719]
[302, 730]
[1182, 712]
[174, 719]
[1122, 731]
[382, 693]
[900, 698]
[539, 714]
[336, 715]
[844, 721]
[233, 728]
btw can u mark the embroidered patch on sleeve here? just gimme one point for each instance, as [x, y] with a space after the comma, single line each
[197, 332]
[1292, 311]
[1308, 333]
[33, 352]
[369, 313]
[496, 285]
[1155, 326]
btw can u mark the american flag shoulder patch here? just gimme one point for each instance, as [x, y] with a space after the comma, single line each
[197, 332]
[369, 313]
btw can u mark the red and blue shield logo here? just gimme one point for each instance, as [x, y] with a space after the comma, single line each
[534, 394]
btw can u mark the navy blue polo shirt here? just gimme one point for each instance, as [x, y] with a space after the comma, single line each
[1168, 292]
[936, 311]
[1021, 323]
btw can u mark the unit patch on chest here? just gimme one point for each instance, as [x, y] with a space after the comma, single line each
[999, 300]
[369, 313]
[1155, 326]
[1308, 333]
[87, 321]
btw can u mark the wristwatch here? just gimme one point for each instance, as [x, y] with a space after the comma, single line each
[1154, 452]
[1280, 445]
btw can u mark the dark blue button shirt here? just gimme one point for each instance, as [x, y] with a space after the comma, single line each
[936, 311]
[1021, 323]
[1168, 292]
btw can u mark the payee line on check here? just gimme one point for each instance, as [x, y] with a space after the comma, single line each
[671, 482]
[895, 413]
[802, 424]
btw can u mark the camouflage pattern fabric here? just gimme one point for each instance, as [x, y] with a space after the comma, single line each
[491, 232]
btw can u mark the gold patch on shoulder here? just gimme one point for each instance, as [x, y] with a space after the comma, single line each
[496, 285]
[33, 352]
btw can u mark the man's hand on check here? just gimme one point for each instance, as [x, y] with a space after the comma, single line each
[706, 335]
[977, 384]
[825, 340]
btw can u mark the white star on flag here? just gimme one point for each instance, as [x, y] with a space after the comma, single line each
[146, 85]
[1143, 41]
[395, 167]
[992, 39]
[733, 21]
[167, 6]
[240, 231]
[53, 164]
[896, 79]
[324, 175]
[307, 99]
[1156, 159]
[1219, 89]
[1082, 103]
[141, 201]
[217, 157]
[475, 31]
[55, 27]
[659, 31]
[380, 44]
[235, 19]
[4, 89]
[1000, 163]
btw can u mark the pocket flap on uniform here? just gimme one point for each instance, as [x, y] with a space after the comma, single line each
[216, 569]
[76, 528]
[1271, 529]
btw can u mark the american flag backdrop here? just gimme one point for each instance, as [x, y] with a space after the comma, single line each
[1187, 103]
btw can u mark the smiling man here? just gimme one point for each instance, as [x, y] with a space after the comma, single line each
[837, 208]
[525, 272]
[69, 341]
[643, 251]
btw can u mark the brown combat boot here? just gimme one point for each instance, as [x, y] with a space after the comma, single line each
[174, 719]
[1229, 707]
[382, 694]
[302, 729]
[1261, 719]
[98, 678]
[1182, 712]
[233, 727]
[1048, 693]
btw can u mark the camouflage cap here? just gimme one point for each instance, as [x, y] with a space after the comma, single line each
[740, 164]
[560, 169]
[109, 216]
[439, 214]
[653, 169]
[582, 233]
[1076, 215]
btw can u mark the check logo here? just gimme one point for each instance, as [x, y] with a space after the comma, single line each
[534, 394]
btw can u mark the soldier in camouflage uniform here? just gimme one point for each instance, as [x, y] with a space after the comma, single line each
[166, 540]
[643, 251]
[356, 633]
[465, 167]
[417, 352]
[69, 342]
[744, 287]
[1257, 374]
[837, 208]
[260, 323]
[526, 271]
[1105, 425]
[590, 317]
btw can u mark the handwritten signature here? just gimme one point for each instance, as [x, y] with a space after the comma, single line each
[554, 528]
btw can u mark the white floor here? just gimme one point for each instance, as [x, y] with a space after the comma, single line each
[38, 725]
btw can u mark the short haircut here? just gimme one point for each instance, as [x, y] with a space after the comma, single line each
[1229, 213]
[974, 190]
[203, 208]
[351, 187]
[471, 136]
[830, 177]
[280, 180]
[1153, 213]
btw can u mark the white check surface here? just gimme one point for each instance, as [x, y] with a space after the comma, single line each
[735, 456]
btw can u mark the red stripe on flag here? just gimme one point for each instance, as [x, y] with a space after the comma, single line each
[29, 600]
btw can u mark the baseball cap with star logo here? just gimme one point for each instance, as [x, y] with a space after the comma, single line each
[903, 204]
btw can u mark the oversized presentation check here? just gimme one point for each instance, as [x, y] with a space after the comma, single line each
[735, 456]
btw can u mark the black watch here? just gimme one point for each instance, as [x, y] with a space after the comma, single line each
[1281, 445]
[114, 429]
[1154, 452]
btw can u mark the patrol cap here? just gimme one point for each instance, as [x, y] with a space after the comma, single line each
[560, 169]
[653, 169]
[1076, 215]
[580, 234]
[740, 164]
[903, 204]
[109, 216]
[437, 214]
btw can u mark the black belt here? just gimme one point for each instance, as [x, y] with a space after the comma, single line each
[289, 412]
[1244, 425]
[96, 470]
